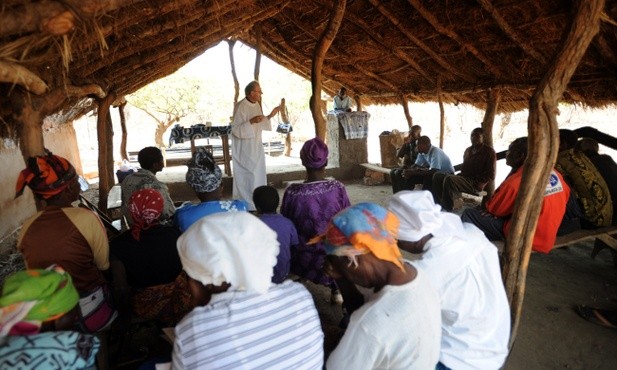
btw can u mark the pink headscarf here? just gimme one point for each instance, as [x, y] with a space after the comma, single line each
[145, 207]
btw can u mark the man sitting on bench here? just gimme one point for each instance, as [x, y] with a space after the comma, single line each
[496, 219]
[431, 160]
[479, 163]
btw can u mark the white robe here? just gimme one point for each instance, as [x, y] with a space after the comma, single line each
[247, 151]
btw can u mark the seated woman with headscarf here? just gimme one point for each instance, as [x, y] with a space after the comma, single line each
[68, 236]
[150, 258]
[206, 178]
[38, 308]
[310, 205]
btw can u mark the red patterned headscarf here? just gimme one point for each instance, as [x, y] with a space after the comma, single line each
[47, 175]
[145, 207]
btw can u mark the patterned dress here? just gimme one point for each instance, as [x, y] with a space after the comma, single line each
[310, 206]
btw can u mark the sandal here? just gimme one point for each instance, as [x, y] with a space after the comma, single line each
[606, 318]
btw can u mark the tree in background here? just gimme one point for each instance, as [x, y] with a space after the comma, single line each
[167, 101]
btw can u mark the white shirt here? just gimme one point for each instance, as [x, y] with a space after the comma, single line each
[397, 328]
[474, 308]
[342, 104]
[247, 151]
[240, 330]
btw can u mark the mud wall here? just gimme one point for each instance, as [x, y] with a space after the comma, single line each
[13, 211]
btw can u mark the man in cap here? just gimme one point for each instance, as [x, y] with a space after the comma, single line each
[398, 327]
[241, 319]
[464, 267]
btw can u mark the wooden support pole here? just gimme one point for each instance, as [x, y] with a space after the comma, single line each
[358, 100]
[319, 54]
[543, 143]
[493, 98]
[442, 114]
[408, 117]
[104, 135]
[257, 52]
[123, 153]
[231, 43]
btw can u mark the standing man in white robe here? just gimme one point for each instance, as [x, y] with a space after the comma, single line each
[247, 152]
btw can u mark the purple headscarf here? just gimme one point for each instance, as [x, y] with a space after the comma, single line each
[314, 154]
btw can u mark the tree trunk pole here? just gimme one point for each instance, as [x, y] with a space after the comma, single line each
[319, 54]
[408, 117]
[543, 143]
[231, 44]
[257, 51]
[358, 100]
[105, 134]
[442, 114]
[123, 153]
[493, 98]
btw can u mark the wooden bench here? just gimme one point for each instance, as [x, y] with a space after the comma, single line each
[605, 237]
[375, 174]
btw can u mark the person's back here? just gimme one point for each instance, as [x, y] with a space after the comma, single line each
[474, 308]
[383, 335]
[236, 330]
[464, 268]
[587, 183]
[266, 199]
[606, 167]
[151, 162]
[150, 261]
[240, 319]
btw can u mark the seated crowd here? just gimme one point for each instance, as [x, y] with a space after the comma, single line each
[221, 274]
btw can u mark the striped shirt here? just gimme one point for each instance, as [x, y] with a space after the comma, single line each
[240, 330]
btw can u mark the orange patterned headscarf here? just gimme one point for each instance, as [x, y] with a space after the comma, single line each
[46, 175]
[361, 229]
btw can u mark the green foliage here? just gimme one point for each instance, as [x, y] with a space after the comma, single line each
[167, 101]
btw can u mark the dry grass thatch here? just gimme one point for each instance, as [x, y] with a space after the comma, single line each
[383, 50]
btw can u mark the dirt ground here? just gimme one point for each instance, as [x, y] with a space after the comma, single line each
[551, 334]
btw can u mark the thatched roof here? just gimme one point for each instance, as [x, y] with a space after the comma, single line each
[383, 50]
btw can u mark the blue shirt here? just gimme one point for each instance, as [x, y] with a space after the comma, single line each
[189, 212]
[436, 159]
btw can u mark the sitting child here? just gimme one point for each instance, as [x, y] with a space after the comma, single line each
[266, 199]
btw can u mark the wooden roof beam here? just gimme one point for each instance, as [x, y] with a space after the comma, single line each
[32, 16]
[510, 32]
[430, 18]
[342, 53]
[397, 52]
[147, 40]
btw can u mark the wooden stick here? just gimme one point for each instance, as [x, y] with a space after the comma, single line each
[319, 54]
[543, 143]
[16, 74]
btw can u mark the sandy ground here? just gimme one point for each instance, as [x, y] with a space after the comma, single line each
[551, 335]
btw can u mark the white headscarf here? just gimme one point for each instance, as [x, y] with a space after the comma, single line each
[419, 216]
[233, 247]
